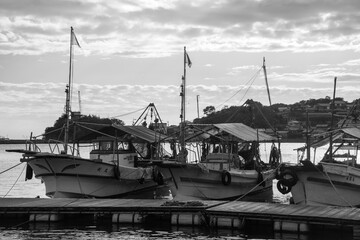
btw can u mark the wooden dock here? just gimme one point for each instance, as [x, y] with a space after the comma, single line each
[216, 214]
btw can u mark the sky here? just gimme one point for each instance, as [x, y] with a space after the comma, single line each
[132, 53]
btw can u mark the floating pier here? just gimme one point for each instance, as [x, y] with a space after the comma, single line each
[216, 214]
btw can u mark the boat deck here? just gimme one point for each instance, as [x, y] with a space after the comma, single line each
[290, 212]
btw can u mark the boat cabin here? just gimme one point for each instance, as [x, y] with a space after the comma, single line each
[230, 146]
[124, 145]
[108, 150]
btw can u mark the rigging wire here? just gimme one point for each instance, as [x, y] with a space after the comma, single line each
[247, 90]
[266, 120]
[125, 114]
[252, 79]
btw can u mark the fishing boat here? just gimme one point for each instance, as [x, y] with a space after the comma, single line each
[226, 166]
[112, 169]
[218, 161]
[335, 179]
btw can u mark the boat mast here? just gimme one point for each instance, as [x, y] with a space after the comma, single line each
[266, 80]
[68, 91]
[307, 136]
[182, 114]
[332, 122]
[268, 92]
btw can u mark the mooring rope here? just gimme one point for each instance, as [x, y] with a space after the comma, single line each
[333, 186]
[264, 180]
[10, 168]
[15, 182]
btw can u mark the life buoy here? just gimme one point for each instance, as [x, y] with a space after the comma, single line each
[288, 177]
[226, 178]
[282, 187]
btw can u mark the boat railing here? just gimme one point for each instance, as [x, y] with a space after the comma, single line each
[54, 146]
[32, 146]
[57, 147]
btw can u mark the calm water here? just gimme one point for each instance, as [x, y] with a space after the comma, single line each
[12, 184]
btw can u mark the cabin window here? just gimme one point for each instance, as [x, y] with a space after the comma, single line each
[124, 146]
[105, 146]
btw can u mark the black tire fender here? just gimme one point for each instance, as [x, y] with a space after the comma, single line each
[226, 178]
[283, 188]
[288, 177]
[29, 172]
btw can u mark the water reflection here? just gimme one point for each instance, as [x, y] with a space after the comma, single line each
[159, 230]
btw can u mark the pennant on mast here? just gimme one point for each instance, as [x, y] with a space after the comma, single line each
[74, 40]
[188, 60]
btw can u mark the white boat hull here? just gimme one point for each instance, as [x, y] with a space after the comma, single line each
[335, 185]
[193, 182]
[68, 176]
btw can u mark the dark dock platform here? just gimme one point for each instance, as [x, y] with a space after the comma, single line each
[216, 214]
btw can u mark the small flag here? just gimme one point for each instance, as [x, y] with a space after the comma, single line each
[74, 40]
[188, 60]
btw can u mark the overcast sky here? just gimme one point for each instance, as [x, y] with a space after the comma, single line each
[132, 54]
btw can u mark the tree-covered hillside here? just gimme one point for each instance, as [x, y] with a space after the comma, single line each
[56, 132]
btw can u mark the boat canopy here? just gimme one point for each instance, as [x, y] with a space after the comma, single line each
[143, 133]
[352, 134]
[232, 132]
[137, 134]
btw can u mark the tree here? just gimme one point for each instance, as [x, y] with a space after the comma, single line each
[209, 110]
[57, 131]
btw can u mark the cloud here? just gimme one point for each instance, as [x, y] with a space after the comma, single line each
[145, 28]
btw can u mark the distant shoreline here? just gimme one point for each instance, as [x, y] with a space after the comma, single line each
[19, 141]
[23, 141]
